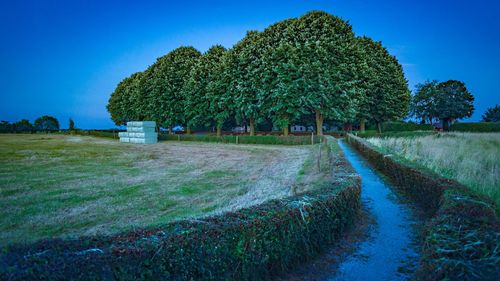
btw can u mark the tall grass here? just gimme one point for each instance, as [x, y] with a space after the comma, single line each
[472, 159]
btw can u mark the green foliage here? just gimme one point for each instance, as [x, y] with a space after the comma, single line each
[46, 123]
[492, 114]
[281, 140]
[386, 94]
[405, 126]
[447, 101]
[454, 101]
[23, 125]
[243, 63]
[198, 100]
[423, 103]
[374, 133]
[478, 127]
[307, 66]
[71, 125]
[126, 103]
[162, 86]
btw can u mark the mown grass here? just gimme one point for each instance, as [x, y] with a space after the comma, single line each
[470, 158]
[67, 186]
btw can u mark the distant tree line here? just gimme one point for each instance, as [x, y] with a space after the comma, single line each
[300, 69]
[44, 123]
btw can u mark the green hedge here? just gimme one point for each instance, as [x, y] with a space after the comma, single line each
[282, 140]
[372, 134]
[461, 240]
[403, 126]
[97, 133]
[479, 127]
[255, 243]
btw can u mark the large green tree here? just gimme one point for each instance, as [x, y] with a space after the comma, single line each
[126, 102]
[328, 65]
[221, 102]
[46, 123]
[492, 114]
[453, 102]
[162, 85]
[243, 62]
[386, 95]
[423, 103]
[197, 109]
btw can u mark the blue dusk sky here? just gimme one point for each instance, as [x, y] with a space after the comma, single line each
[64, 58]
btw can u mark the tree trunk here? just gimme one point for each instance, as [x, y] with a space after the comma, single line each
[188, 130]
[379, 127]
[446, 124]
[319, 123]
[362, 125]
[170, 130]
[252, 126]
[219, 130]
[285, 130]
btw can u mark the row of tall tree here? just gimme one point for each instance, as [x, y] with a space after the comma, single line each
[446, 101]
[311, 67]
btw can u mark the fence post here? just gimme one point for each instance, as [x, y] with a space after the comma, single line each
[236, 139]
[312, 138]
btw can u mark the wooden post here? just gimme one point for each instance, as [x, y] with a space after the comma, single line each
[319, 157]
[178, 137]
[312, 138]
[236, 139]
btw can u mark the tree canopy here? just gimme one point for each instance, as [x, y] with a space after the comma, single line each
[46, 123]
[453, 101]
[307, 68]
[492, 114]
[197, 91]
[385, 95]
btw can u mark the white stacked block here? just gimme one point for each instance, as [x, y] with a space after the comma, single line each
[140, 132]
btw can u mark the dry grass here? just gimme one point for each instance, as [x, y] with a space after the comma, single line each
[470, 158]
[66, 186]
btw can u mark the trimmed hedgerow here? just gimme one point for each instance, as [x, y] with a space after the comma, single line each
[396, 126]
[97, 133]
[371, 134]
[404, 126]
[250, 244]
[271, 139]
[461, 240]
[479, 127]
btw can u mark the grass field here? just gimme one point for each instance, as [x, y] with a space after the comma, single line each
[470, 158]
[67, 186]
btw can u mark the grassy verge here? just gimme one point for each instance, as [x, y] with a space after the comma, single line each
[67, 186]
[469, 158]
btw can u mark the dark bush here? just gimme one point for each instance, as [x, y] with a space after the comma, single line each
[405, 126]
[479, 127]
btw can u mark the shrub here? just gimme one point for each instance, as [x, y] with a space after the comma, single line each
[404, 126]
[484, 127]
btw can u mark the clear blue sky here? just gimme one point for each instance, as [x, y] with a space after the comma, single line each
[64, 58]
